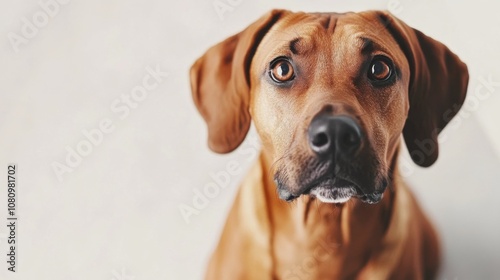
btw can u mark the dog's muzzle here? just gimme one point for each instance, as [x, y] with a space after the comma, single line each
[335, 140]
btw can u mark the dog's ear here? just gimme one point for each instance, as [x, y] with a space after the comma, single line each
[438, 85]
[220, 83]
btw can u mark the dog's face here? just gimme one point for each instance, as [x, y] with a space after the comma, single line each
[330, 95]
[329, 99]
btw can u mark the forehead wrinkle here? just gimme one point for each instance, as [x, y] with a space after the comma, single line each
[369, 45]
[301, 45]
[294, 44]
[363, 39]
[301, 32]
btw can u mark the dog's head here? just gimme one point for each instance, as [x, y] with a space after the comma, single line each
[330, 95]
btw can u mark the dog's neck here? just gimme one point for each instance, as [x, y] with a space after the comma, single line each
[345, 234]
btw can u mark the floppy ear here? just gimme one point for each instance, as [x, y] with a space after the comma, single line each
[220, 83]
[438, 85]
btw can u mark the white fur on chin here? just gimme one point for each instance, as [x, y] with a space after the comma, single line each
[318, 194]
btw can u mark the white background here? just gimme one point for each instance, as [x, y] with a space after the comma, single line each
[116, 216]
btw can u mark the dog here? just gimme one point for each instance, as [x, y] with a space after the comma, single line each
[330, 95]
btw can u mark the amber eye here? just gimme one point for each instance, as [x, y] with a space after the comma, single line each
[282, 71]
[380, 69]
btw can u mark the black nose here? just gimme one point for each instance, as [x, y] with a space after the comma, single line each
[332, 135]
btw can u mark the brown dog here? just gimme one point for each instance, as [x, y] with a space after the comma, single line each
[330, 95]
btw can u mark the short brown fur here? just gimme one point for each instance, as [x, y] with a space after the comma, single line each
[267, 238]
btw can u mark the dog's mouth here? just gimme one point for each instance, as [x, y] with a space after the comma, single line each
[332, 181]
[333, 190]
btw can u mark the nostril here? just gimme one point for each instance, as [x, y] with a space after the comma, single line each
[348, 136]
[320, 139]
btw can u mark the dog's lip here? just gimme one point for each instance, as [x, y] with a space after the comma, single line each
[286, 195]
[337, 182]
[333, 186]
[333, 190]
[333, 195]
[328, 188]
[372, 198]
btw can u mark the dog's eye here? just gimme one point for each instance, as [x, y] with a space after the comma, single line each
[380, 69]
[282, 71]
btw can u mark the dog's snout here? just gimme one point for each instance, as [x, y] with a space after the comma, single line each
[334, 135]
